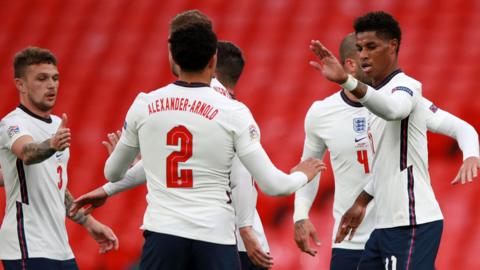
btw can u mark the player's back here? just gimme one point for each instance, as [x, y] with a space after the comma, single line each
[400, 166]
[186, 137]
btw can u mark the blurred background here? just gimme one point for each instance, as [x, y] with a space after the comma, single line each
[108, 51]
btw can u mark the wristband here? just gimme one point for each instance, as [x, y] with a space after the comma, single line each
[350, 84]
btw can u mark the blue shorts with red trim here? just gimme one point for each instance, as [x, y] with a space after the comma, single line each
[412, 247]
[40, 264]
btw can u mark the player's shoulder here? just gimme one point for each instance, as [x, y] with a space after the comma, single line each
[322, 106]
[402, 79]
[15, 115]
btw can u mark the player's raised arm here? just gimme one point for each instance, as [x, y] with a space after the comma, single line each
[396, 106]
[31, 152]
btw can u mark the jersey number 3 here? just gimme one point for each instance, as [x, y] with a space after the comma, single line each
[60, 172]
[362, 158]
[179, 135]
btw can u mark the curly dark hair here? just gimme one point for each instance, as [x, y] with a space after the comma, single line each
[31, 56]
[230, 63]
[380, 22]
[192, 46]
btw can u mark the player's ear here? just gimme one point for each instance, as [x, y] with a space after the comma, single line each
[20, 85]
[393, 44]
[350, 66]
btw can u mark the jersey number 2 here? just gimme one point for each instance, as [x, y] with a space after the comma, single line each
[362, 158]
[179, 135]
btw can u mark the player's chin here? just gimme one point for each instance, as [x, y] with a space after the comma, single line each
[48, 103]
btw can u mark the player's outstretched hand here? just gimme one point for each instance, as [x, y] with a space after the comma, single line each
[304, 230]
[254, 249]
[468, 171]
[102, 234]
[61, 139]
[350, 222]
[91, 200]
[328, 64]
[112, 141]
[310, 167]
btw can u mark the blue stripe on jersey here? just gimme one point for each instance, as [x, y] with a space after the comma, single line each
[403, 143]
[21, 232]
[403, 166]
[404, 89]
[23, 182]
[411, 197]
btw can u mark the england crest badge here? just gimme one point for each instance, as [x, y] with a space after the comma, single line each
[360, 124]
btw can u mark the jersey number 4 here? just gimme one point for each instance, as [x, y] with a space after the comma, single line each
[179, 135]
[362, 158]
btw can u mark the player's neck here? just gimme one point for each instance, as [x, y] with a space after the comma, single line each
[33, 109]
[389, 70]
[198, 77]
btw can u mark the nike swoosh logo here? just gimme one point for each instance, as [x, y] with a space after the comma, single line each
[357, 140]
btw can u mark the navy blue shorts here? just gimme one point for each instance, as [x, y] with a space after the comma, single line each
[39, 264]
[169, 252]
[403, 248]
[246, 263]
[345, 259]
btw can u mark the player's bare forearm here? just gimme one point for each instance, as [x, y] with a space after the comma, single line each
[80, 216]
[360, 91]
[37, 152]
[363, 199]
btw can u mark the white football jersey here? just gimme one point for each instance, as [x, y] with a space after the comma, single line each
[34, 222]
[178, 129]
[341, 126]
[401, 183]
[325, 129]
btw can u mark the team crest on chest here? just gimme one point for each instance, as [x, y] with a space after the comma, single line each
[360, 124]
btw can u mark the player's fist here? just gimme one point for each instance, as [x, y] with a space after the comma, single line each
[310, 167]
[61, 139]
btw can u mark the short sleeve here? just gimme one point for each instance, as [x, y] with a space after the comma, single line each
[132, 122]
[11, 129]
[246, 132]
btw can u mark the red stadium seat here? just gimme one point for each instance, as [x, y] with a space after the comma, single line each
[110, 50]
